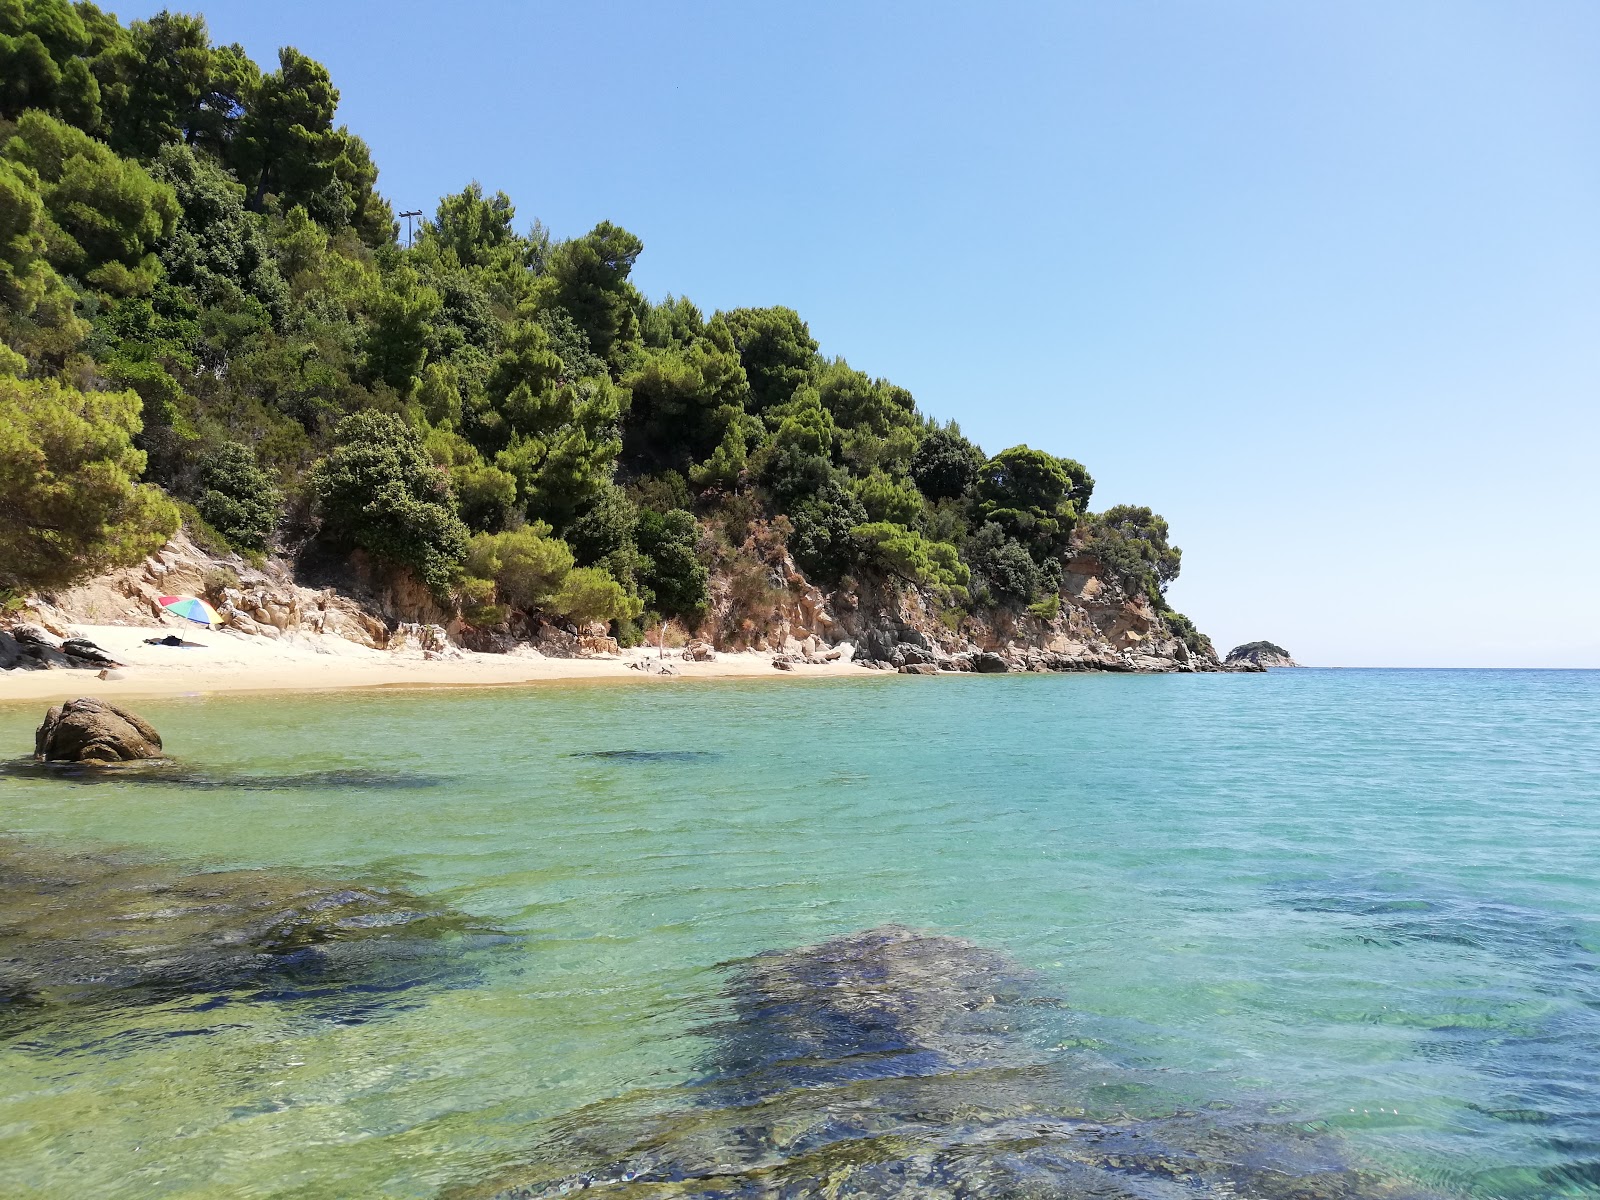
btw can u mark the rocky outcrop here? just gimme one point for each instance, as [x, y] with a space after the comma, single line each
[87, 730]
[1099, 626]
[1260, 655]
[28, 647]
[264, 601]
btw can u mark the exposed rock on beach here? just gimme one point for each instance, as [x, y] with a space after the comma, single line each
[27, 647]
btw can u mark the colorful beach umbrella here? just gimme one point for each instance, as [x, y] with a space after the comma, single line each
[191, 608]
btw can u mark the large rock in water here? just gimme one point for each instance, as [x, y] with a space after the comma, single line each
[897, 1063]
[91, 731]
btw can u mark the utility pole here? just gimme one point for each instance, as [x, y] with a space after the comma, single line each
[416, 212]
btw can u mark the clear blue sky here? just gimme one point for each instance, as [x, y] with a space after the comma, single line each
[1318, 281]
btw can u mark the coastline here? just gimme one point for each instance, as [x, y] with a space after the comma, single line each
[225, 662]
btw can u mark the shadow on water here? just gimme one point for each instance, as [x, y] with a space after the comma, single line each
[893, 1063]
[649, 756]
[166, 772]
[1523, 1012]
[84, 934]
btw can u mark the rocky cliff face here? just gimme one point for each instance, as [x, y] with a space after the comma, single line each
[1099, 627]
[760, 600]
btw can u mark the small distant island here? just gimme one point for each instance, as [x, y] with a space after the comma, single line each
[209, 320]
[1261, 654]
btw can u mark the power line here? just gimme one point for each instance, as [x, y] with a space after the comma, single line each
[416, 212]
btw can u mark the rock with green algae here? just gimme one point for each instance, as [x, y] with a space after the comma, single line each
[890, 1063]
[87, 929]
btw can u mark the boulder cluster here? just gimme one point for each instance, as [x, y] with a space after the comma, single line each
[910, 651]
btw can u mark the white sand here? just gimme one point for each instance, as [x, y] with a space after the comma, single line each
[232, 662]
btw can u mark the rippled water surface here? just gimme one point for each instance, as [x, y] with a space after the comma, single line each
[1363, 903]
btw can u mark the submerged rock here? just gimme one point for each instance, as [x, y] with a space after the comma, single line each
[85, 929]
[165, 772]
[87, 730]
[895, 1063]
[647, 756]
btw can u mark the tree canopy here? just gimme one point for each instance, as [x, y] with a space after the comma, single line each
[69, 500]
[203, 298]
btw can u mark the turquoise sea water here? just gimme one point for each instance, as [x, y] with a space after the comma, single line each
[1368, 900]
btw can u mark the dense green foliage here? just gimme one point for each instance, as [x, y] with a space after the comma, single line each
[378, 491]
[1249, 648]
[500, 412]
[672, 574]
[68, 501]
[239, 500]
[528, 569]
[1132, 542]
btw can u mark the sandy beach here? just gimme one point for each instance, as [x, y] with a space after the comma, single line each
[223, 661]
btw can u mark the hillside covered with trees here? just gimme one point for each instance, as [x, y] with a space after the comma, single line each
[207, 316]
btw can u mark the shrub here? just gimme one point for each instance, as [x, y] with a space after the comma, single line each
[1184, 630]
[476, 598]
[201, 533]
[627, 632]
[238, 499]
[672, 569]
[379, 490]
[906, 553]
[661, 492]
[1005, 572]
[1047, 609]
[217, 580]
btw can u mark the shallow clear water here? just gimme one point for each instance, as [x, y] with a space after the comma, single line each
[1367, 899]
